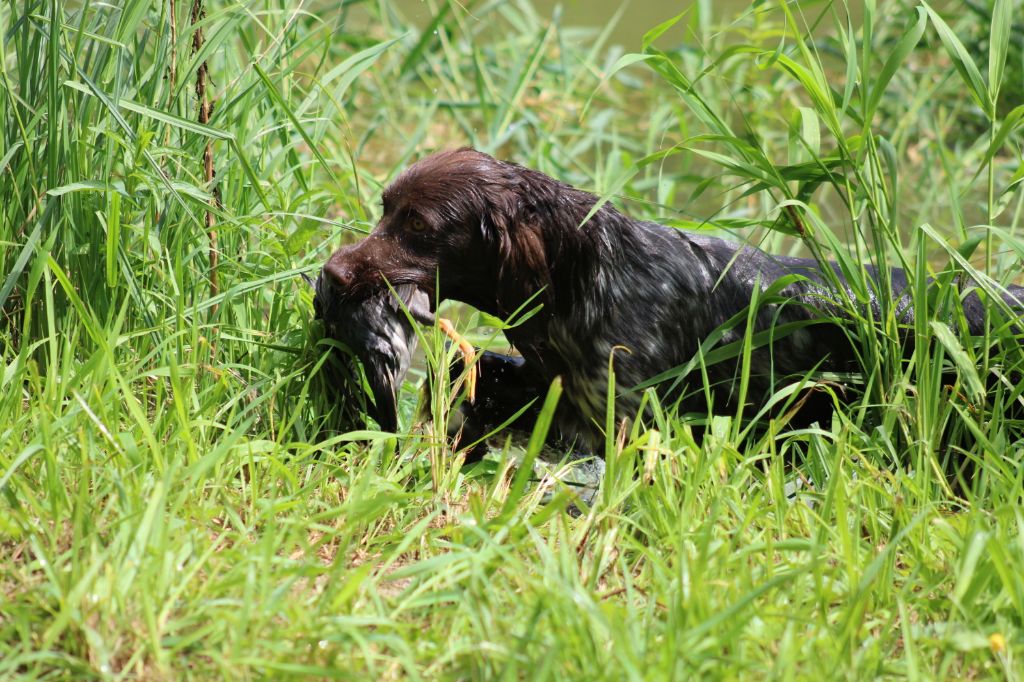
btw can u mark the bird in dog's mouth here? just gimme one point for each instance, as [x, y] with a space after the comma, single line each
[378, 329]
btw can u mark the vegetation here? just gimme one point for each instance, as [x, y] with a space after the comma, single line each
[181, 493]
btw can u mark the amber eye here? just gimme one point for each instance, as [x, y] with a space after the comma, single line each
[417, 224]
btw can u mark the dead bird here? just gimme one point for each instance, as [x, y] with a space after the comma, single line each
[380, 333]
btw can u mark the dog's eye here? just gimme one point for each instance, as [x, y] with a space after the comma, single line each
[417, 224]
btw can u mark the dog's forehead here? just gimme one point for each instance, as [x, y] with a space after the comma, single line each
[446, 179]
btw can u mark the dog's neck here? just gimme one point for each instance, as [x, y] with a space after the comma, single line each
[583, 270]
[586, 260]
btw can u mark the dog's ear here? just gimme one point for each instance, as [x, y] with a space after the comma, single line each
[517, 235]
[497, 218]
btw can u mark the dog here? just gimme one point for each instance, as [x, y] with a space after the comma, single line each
[614, 292]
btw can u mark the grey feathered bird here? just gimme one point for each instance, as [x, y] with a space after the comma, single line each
[379, 332]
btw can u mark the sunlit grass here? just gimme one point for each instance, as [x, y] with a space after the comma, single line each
[183, 495]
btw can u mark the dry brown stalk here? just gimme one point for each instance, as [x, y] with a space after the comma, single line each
[205, 111]
[173, 71]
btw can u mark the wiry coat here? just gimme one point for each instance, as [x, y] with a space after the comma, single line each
[501, 237]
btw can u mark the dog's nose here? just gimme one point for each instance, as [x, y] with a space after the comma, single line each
[340, 274]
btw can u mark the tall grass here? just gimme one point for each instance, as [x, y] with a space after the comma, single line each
[181, 493]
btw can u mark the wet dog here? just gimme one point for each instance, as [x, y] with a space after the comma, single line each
[462, 225]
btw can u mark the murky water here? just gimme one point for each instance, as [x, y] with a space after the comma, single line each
[636, 18]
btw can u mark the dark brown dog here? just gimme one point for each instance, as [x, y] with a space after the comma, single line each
[465, 226]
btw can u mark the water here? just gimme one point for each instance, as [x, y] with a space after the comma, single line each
[638, 17]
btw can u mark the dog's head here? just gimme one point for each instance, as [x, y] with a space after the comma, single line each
[457, 224]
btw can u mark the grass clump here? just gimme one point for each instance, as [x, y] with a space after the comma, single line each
[182, 493]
